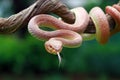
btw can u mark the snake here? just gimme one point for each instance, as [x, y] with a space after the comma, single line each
[72, 35]
[65, 34]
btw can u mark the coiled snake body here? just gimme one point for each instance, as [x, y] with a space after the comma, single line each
[69, 35]
[65, 36]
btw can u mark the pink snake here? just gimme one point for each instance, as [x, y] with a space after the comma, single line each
[69, 35]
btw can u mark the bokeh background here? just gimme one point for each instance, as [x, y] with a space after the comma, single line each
[23, 57]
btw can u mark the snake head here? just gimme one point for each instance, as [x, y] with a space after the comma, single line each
[53, 46]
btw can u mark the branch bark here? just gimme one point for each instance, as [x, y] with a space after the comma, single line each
[16, 21]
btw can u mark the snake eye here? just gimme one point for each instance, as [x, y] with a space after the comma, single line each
[50, 46]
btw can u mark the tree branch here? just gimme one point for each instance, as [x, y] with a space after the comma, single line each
[16, 21]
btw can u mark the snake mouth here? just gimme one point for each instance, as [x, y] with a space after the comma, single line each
[51, 50]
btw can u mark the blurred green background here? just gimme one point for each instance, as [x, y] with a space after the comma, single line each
[24, 56]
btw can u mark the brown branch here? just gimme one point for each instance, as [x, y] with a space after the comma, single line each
[16, 21]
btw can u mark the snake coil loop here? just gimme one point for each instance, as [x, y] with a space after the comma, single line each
[114, 12]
